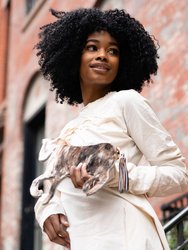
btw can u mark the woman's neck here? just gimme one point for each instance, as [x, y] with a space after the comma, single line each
[91, 95]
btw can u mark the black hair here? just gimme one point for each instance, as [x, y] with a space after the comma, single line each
[62, 42]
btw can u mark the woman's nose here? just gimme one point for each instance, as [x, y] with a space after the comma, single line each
[101, 55]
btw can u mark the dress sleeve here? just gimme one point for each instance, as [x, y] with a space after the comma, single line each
[42, 212]
[54, 206]
[167, 173]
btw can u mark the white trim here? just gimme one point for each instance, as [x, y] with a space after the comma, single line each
[36, 97]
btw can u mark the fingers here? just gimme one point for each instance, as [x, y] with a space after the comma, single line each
[79, 175]
[75, 175]
[63, 220]
[55, 226]
[84, 174]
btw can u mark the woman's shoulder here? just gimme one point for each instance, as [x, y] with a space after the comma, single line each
[130, 96]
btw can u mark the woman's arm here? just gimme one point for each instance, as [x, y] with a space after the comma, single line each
[167, 173]
[51, 218]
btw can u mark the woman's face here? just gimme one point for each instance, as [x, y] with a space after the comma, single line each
[99, 60]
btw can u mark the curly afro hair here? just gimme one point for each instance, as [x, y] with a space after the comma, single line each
[61, 44]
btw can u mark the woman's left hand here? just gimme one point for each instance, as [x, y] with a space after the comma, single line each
[79, 175]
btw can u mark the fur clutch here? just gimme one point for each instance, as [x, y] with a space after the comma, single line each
[99, 159]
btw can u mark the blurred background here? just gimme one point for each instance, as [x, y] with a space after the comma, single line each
[28, 111]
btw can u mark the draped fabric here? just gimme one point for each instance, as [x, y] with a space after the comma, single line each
[108, 219]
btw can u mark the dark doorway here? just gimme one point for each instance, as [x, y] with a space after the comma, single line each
[31, 236]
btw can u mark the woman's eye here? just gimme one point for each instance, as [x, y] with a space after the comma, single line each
[91, 47]
[114, 51]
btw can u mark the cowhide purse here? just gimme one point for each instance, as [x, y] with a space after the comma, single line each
[99, 159]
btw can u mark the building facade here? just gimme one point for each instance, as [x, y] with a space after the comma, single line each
[28, 111]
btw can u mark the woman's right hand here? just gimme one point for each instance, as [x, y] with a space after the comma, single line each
[79, 175]
[55, 226]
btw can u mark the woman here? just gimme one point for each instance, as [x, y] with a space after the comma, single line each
[103, 59]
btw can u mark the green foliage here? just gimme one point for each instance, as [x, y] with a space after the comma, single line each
[172, 236]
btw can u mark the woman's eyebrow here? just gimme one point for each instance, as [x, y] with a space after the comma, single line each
[97, 41]
[92, 40]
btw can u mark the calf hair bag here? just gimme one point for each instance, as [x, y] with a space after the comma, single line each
[100, 162]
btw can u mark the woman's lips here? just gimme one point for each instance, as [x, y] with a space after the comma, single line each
[100, 67]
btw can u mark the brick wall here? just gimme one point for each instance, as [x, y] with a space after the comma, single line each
[166, 20]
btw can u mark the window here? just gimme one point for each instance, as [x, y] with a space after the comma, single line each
[29, 5]
[98, 3]
[32, 7]
[4, 3]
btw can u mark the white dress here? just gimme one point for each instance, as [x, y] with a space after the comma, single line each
[109, 220]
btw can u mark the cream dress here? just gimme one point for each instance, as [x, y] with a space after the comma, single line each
[109, 220]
